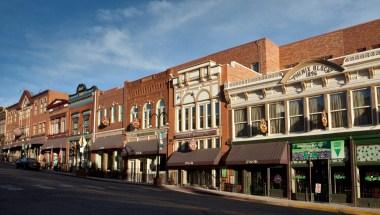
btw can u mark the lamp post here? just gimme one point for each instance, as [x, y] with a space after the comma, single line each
[159, 138]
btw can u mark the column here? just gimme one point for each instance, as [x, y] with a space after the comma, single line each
[268, 181]
[355, 185]
[329, 179]
[213, 177]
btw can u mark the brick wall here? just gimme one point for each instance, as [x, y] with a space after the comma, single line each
[107, 99]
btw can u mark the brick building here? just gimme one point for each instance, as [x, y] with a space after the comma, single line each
[109, 138]
[3, 116]
[148, 122]
[55, 151]
[82, 106]
[28, 123]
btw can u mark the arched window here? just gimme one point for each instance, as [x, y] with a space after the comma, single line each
[161, 112]
[147, 116]
[134, 113]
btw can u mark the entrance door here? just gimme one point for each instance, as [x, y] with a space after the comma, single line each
[247, 181]
[320, 180]
[258, 181]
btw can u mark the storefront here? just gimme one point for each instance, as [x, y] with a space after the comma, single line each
[106, 156]
[257, 169]
[79, 154]
[198, 167]
[320, 171]
[54, 154]
[142, 157]
[368, 171]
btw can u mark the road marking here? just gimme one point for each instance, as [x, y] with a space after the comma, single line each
[11, 187]
[43, 187]
[66, 185]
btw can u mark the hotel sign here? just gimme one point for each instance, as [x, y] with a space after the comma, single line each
[196, 134]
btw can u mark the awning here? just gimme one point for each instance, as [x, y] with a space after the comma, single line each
[259, 153]
[16, 145]
[37, 141]
[108, 142]
[56, 143]
[144, 147]
[201, 157]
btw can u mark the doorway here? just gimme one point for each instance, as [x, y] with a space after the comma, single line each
[319, 180]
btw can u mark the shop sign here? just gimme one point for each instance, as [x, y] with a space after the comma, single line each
[196, 134]
[193, 145]
[318, 188]
[372, 178]
[312, 150]
[337, 149]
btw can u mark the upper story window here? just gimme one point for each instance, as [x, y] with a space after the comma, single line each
[217, 114]
[161, 113]
[134, 114]
[75, 124]
[202, 115]
[240, 120]
[209, 116]
[277, 118]
[361, 100]
[316, 107]
[255, 67]
[86, 122]
[187, 118]
[296, 117]
[338, 110]
[120, 113]
[257, 114]
[179, 119]
[147, 116]
[193, 117]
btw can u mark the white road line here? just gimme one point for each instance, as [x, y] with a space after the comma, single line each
[11, 187]
[43, 187]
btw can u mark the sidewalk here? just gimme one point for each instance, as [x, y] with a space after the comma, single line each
[327, 207]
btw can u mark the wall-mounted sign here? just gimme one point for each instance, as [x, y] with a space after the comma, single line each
[310, 71]
[318, 150]
[193, 145]
[196, 134]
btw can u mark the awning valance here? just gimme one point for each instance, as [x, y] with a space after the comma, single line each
[144, 147]
[201, 157]
[258, 153]
[108, 142]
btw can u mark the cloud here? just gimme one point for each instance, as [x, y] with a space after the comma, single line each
[117, 14]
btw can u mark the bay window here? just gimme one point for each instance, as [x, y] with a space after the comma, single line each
[277, 118]
[361, 100]
[338, 110]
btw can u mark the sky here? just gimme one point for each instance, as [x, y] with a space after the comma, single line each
[52, 44]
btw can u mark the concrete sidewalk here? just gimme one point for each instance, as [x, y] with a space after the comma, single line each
[328, 207]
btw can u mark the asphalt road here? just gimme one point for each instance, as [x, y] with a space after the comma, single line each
[31, 192]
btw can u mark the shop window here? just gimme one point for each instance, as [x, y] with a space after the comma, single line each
[240, 120]
[277, 118]
[316, 107]
[338, 108]
[296, 119]
[362, 107]
[339, 178]
[369, 182]
[257, 114]
[301, 180]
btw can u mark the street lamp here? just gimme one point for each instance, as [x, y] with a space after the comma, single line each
[159, 115]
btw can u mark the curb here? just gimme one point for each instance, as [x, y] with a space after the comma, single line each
[334, 208]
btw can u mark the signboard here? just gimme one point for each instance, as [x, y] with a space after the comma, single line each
[318, 150]
[337, 149]
[310, 71]
[193, 145]
[318, 188]
[196, 134]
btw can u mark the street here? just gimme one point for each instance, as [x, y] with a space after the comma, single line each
[37, 192]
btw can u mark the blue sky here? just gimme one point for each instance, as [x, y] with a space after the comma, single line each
[52, 44]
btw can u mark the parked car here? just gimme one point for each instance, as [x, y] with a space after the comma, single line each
[28, 163]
